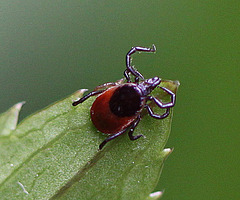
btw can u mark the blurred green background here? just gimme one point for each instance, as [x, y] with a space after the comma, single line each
[49, 49]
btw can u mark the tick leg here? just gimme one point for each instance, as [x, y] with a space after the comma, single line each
[86, 97]
[111, 138]
[134, 72]
[108, 85]
[126, 74]
[156, 116]
[130, 68]
[133, 126]
[98, 90]
[164, 105]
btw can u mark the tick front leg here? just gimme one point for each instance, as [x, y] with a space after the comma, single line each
[86, 97]
[132, 127]
[156, 116]
[161, 104]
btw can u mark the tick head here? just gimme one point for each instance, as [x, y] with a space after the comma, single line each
[148, 85]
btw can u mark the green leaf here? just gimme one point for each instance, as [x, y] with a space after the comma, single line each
[54, 154]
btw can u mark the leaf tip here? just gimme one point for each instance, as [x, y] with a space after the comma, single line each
[9, 119]
[166, 152]
[172, 85]
[81, 91]
[19, 105]
[155, 195]
[78, 94]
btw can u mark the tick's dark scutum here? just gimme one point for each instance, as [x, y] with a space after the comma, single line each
[125, 101]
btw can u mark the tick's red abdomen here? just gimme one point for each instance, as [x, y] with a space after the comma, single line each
[102, 116]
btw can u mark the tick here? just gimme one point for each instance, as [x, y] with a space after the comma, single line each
[118, 106]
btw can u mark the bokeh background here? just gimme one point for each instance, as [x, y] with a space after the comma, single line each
[49, 49]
